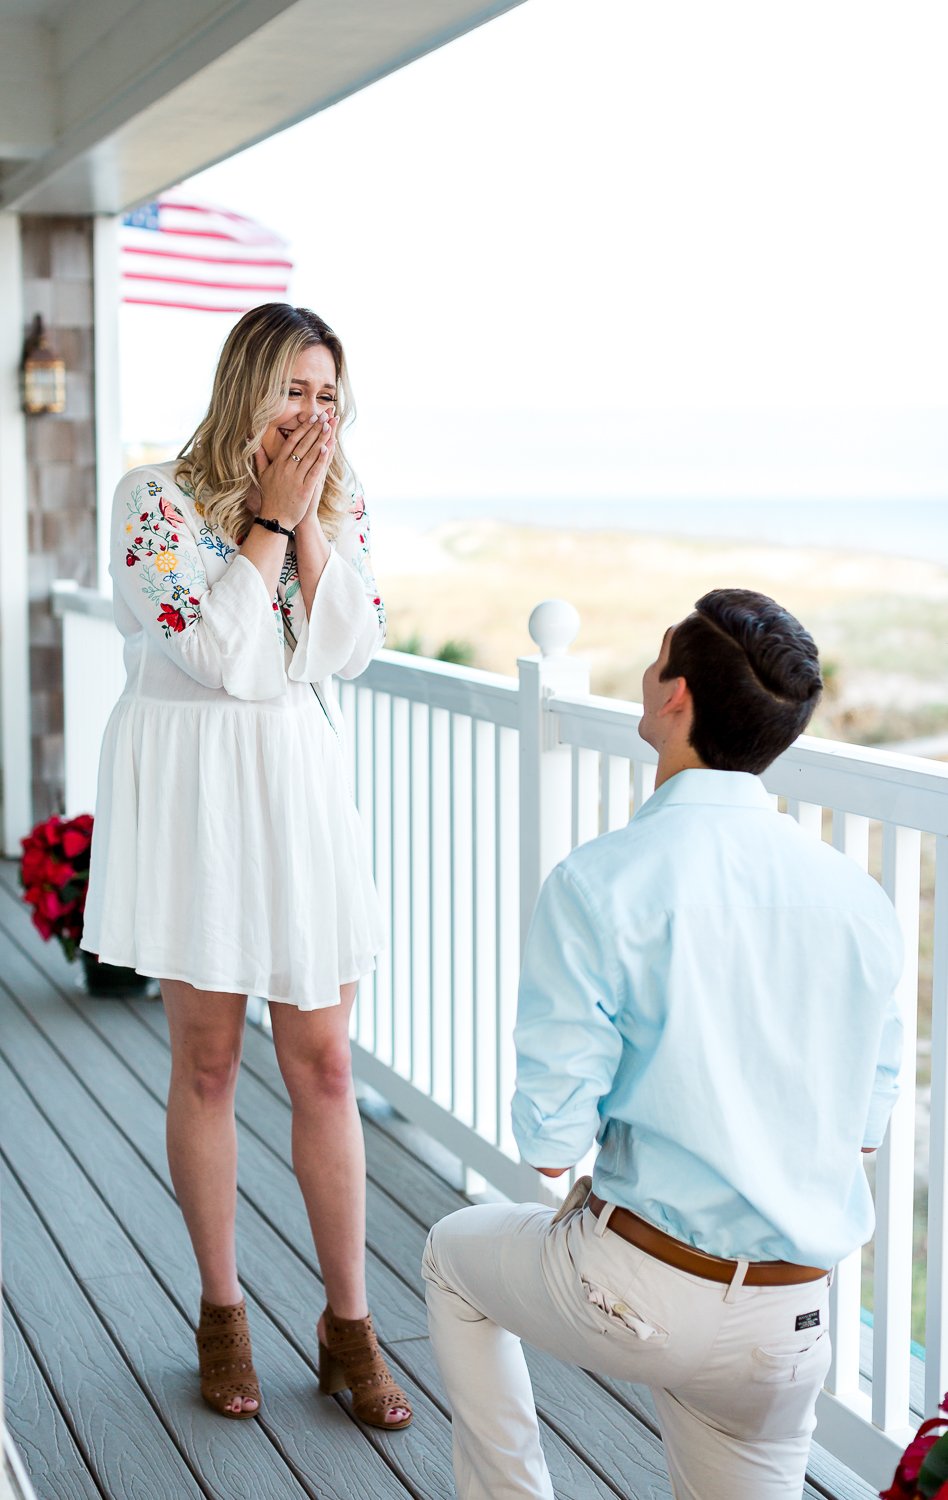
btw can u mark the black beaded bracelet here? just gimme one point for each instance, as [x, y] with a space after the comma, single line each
[274, 526]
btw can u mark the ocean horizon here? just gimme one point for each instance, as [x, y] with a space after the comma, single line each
[913, 528]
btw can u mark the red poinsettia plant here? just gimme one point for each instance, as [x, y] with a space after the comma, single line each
[54, 873]
[922, 1473]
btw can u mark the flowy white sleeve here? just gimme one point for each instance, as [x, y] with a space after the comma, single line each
[346, 625]
[228, 635]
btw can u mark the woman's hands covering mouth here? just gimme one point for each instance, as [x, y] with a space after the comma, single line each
[290, 484]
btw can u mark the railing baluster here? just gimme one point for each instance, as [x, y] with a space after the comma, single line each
[892, 1319]
[441, 957]
[484, 883]
[382, 826]
[400, 865]
[419, 899]
[643, 782]
[585, 796]
[364, 786]
[462, 996]
[615, 793]
[936, 1322]
[507, 891]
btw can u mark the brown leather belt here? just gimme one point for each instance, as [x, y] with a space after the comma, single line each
[664, 1247]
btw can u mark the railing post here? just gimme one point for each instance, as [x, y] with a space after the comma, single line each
[545, 764]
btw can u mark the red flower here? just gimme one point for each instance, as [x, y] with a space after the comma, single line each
[143, 516]
[139, 541]
[130, 559]
[913, 1462]
[52, 906]
[192, 600]
[376, 601]
[57, 873]
[915, 1454]
[171, 617]
[34, 858]
[48, 832]
[174, 536]
[44, 928]
[75, 841]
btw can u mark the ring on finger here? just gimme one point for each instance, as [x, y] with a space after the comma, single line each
[295, 458]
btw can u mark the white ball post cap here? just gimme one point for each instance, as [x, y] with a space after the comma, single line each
[554, 626]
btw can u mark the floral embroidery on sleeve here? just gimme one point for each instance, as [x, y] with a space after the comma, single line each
[169, 577]
[289, 587]
[361, 560]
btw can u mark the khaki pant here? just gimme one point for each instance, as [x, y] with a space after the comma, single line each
[734, 1371]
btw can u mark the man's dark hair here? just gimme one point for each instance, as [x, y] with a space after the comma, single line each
[754, 677]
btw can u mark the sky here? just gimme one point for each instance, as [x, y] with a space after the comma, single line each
[622, 250]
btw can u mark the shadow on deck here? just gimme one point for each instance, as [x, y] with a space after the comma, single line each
[100, 1290]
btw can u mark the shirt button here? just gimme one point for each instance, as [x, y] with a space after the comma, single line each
[620, 1307]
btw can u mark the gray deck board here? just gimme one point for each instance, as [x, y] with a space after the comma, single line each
[39, 1428]
[101, 1290]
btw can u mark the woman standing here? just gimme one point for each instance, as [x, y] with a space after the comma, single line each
[228, 858]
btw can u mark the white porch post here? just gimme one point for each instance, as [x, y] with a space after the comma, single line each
[15, 775]
[108, 416]
[545, 764]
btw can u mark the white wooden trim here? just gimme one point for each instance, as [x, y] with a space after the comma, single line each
[844, 1428]
[15, 767]
[108, 402]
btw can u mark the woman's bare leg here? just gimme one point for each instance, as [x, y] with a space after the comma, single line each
[312, 1049]
[206, 1038]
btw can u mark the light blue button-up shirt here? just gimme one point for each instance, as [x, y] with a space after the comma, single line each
[709, 992]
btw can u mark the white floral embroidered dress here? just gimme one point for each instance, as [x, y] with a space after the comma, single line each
[227, 849]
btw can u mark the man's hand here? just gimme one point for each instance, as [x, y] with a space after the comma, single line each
[552, 1171]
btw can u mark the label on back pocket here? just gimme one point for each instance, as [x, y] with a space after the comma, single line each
[808, 1320]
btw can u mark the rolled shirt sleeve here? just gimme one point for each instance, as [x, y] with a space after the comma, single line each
[346, 624]
[568, 1047]
[885, 1088]
[226, 636]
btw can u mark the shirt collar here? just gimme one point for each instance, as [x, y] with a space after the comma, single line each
[711, 788]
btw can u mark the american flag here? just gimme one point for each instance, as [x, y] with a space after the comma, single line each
[191, 255]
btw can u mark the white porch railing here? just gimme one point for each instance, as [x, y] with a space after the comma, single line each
[472, 787]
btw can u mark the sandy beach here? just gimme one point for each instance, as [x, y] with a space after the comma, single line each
[881, 622]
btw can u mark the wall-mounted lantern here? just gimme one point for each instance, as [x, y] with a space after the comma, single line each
[44, 373]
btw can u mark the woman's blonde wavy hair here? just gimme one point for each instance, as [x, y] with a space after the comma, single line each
[249, 392]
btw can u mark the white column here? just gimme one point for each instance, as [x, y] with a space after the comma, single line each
[15, 773]
[545, 765]
[108, 415]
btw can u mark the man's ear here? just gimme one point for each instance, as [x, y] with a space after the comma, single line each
[679, 698]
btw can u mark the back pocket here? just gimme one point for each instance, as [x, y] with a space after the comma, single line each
[794, 1363]
[623, 1315]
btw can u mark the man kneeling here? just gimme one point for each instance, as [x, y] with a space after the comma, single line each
[709, 994]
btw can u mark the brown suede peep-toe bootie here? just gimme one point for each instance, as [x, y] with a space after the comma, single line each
[351, 1359]
[225, 1361]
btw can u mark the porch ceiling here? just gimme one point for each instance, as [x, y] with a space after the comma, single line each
[105, 102]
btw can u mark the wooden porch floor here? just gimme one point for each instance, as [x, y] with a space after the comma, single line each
[99, 1288]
